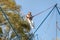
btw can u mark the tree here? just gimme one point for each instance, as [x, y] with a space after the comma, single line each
[12, 11]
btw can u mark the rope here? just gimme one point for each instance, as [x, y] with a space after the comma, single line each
[8, 21]
[45, 19]
[42, 11]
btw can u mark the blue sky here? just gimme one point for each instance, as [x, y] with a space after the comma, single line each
[48, 29]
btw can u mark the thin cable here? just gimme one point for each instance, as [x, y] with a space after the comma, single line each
[8, 21]
[42, 11]
[56, 31]
[37, 37]
[44, 19]
[58, 27]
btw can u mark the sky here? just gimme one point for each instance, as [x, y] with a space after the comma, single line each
[47, 31]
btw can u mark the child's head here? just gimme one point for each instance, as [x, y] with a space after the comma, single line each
[29, 13]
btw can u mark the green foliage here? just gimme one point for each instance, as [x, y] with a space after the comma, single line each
[0, 30]
[20, 25]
